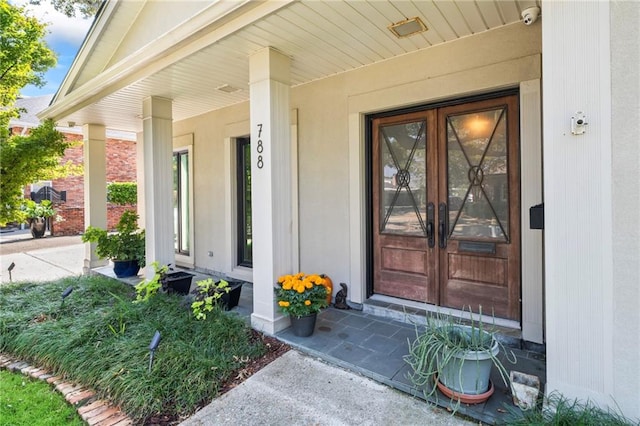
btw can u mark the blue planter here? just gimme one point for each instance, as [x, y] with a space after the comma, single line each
[125, 268]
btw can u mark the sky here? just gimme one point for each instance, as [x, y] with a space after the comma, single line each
[65, 35]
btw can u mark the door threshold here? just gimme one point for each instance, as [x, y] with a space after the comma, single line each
[508, 333]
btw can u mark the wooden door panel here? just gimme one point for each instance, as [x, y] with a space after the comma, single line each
[479, 155]
[486, 270]
[476, 296]
[404, 182]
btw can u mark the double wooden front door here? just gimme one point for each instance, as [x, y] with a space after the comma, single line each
[446, 206]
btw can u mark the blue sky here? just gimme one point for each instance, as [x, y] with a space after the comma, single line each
[65, 37]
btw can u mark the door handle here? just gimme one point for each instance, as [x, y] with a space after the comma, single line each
[431, 240]
[442, 225]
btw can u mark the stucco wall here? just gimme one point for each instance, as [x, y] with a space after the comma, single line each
[489, 61]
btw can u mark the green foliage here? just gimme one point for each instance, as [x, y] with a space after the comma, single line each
[560, 411]
[33, 210]
[442, 341]
[122, 193]
[207, 294]
[71, 8]
[127, 243]
[27, 159]
[24, 401]
[146, 289]
[191, 364]
[24, 57]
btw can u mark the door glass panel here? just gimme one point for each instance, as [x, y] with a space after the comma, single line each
[477, 171]
[403, 167]
[181, 202]
[245, 252]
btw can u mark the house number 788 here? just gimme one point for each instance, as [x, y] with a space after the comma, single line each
[259, 148]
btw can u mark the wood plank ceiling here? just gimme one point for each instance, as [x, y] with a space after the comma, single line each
[323, 38]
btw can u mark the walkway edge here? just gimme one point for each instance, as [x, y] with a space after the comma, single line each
[96, 412]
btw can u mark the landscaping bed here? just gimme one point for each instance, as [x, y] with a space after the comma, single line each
[99, 338]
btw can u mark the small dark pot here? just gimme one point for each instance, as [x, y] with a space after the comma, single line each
[38, 226]
[230, 300]
[125, 268]
[178, 282]
[303, 326]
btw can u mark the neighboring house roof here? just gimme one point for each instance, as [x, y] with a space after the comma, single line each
[201, 54]
[32, 105]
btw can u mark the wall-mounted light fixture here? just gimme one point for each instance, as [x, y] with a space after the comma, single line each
[408, 27]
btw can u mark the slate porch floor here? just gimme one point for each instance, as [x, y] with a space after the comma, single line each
[374, 346]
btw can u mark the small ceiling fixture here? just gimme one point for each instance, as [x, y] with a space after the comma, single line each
[408, 27]
[227, 88]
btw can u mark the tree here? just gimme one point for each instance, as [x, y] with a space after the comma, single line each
[27, 159]
[24, 58]
[86, 8]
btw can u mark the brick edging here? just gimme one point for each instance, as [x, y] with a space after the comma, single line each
[96, 412]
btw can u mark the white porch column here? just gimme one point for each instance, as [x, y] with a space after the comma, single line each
[158, 180]
[270, 184]
[95, 187]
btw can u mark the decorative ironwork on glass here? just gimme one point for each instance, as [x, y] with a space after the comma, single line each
[403, 165]
[477, 171]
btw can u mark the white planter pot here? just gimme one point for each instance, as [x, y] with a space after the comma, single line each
[468, 372]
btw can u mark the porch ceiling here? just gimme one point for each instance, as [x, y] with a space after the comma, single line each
[323, 38]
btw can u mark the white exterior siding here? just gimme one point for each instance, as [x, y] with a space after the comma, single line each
[625, 165]
[592, 332]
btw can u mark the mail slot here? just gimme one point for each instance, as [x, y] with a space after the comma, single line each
[536, 216]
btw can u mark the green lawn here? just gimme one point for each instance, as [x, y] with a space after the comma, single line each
[100, 338]
[28, 402]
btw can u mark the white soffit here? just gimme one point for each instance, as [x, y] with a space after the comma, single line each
[323, 38]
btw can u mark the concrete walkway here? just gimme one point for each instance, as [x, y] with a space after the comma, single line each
[299, 390]
[42, 259]
[294, 389]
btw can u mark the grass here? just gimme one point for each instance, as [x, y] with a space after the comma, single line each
[100, 338]
[33, 403]
[561, 411]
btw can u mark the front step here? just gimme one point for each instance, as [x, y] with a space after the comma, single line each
[508, 336]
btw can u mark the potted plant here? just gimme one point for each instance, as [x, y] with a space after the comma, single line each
[209, 293]
[36, 215]
[170, 282]
[456, 358]
[301, 297]
[125, 247]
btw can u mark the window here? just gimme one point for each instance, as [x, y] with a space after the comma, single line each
[181, 202]
[243, 168]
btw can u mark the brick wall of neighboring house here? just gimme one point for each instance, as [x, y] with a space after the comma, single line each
[121, 167]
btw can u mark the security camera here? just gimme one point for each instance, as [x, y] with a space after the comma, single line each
[530, 15]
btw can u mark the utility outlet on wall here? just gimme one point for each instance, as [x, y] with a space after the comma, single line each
[210, 253]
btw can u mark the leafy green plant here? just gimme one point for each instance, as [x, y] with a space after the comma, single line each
[128, 243]
[207, 295]
[33, 210]
[445, 340]
[146, 289]
[122, 193]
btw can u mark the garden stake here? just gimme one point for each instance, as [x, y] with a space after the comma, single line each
[10, 268]
[153, 346]
[67, 291]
